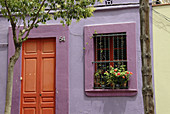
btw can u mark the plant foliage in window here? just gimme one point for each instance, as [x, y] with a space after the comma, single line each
[110, 61]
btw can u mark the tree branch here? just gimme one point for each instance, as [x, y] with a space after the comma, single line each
[28, 30]
[12, 23]
[47, 13]
[22, 32]
[24, 22]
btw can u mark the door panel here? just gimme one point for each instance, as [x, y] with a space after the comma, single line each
[29, 111]
[30, 99]
[47, 91]
[47, 111]
[38, 73]
[48, 74]
[30, 75]
[48, 46]
[31, 47]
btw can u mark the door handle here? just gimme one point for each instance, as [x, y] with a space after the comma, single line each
[40, 94]
[21, 78]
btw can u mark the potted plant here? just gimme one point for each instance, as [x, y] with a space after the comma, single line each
[118, 77]
[100, 79]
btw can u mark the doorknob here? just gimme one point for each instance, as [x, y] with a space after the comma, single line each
[40, 94]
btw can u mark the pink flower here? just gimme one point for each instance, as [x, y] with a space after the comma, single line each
[127, 72]
[123, 76]
[131, 73]
[118, 73]
[111, 66]
[115, 70]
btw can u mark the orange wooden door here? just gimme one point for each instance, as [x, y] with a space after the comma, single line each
[38, 76]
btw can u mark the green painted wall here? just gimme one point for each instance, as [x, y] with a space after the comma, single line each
[161, 51]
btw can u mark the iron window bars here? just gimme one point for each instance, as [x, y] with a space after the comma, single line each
[110, 49]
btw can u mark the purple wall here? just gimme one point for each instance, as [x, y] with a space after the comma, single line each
[3, 61]
[46, 31]
[79, 103]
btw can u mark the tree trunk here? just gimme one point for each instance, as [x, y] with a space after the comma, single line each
[147, 89]
[12, 62]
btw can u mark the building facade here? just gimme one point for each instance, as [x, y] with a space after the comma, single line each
[55, 73]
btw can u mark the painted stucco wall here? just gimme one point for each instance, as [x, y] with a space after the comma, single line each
[161, 47]
[79, 103]
[3, 60]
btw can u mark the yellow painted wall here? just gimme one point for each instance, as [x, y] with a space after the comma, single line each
[161, 51]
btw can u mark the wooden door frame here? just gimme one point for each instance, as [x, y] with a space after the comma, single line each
[62, 74]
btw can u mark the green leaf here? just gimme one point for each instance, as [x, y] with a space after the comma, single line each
[36, 25]
[87, 43]
[46, 4]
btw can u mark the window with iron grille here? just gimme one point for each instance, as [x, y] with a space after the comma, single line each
[110, 50]
[115, 45]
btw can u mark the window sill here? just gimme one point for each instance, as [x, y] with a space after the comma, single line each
[111, 92]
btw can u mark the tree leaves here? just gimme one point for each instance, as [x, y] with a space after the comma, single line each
[65, 9]
[41, 11]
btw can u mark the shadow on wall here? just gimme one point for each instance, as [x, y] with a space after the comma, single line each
[109, 105]
[161, 21]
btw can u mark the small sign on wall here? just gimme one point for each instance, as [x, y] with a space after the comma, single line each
[108, 2]
[62, 39]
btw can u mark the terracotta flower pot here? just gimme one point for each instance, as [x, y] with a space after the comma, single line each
[124, 85]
